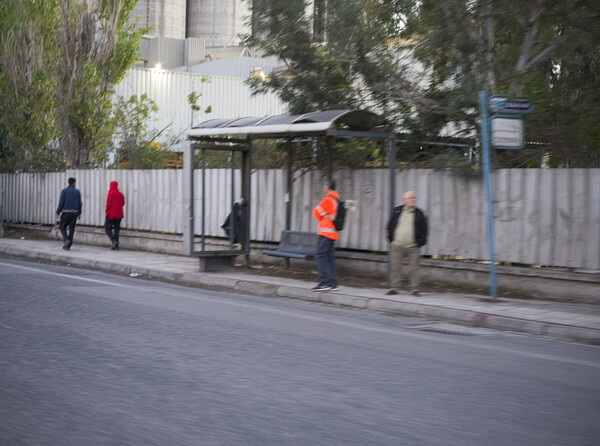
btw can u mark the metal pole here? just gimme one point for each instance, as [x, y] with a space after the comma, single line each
[392, 192]
[288, 192]
[203, 200]
[232, 212]
[188, 200]
[1, 212]
[247, 194]
[485, 136]
[330, 146]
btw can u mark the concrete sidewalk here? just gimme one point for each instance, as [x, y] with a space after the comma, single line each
[570, 321]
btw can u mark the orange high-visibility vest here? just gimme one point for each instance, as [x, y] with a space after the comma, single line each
[325, 213]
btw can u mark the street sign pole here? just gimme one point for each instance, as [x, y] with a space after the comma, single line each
[485, 136]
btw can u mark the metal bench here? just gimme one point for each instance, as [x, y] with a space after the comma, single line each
[295, 245]
[213, 260]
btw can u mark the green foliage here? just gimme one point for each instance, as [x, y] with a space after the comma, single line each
[268, 154]
[26, 87]
[96, 50]
[136, 147]
[546, 51]
[341, 72]
[456, 162]
[366, 54]
[59, 62]
[356, 153]
[307, 153]
[193, 99]
[567, 114]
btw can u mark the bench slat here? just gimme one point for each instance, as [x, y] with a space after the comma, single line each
[290, 255]
[295, 245]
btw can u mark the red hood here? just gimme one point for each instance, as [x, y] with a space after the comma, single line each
[114, 185]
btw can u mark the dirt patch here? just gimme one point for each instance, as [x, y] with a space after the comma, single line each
[26, 234]
[308, 273]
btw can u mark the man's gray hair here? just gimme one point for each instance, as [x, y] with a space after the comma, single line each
[330, 183]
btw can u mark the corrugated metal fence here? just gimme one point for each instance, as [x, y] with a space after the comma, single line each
[542, 216]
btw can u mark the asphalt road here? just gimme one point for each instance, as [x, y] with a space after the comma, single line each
[93, 359]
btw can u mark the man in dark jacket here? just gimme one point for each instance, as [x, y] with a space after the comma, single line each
[406, 232]
[114, 214]
[69, 211]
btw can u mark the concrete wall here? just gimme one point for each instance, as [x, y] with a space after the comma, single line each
[167, 52]
[218, 22]
[166, 17]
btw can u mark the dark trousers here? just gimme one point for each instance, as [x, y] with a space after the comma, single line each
[112, 226]
[325, 259]
[67, 220]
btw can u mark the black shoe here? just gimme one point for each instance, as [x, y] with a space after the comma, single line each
[67, 245]
[321, 287]
[391, 292]
[117, 246]
[114, 245]
[333, 288]
[415, 293]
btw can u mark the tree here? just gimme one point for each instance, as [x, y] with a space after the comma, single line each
[567, 114]
[26, 86]
[335, 57]
[96, 49]
[421, 63]
[545, 50]
[59, 63]
[339, 65]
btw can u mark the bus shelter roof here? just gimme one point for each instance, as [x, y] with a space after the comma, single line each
[357, 123]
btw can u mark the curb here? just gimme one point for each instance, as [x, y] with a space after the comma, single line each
[411, 309]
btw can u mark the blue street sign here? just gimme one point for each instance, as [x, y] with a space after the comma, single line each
[506, 104]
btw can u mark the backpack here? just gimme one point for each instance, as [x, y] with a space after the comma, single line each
[340, 216]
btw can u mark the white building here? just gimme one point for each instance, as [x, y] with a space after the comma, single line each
[228, 97]
[218, 22]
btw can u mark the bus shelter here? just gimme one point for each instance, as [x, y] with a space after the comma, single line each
[237, 136]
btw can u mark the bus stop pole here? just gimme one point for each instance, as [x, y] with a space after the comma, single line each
[485, 136]
[232, 215]
[330, 148]
[246, 186]
[1, 212]
[392, 192]
[188, 200]
[289, 185]
[288, 191]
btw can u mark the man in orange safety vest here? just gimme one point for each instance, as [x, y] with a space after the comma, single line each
[325, 214]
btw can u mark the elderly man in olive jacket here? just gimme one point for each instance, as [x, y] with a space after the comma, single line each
[406, 232]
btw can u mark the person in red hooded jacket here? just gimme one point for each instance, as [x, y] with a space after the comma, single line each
[114, 213]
